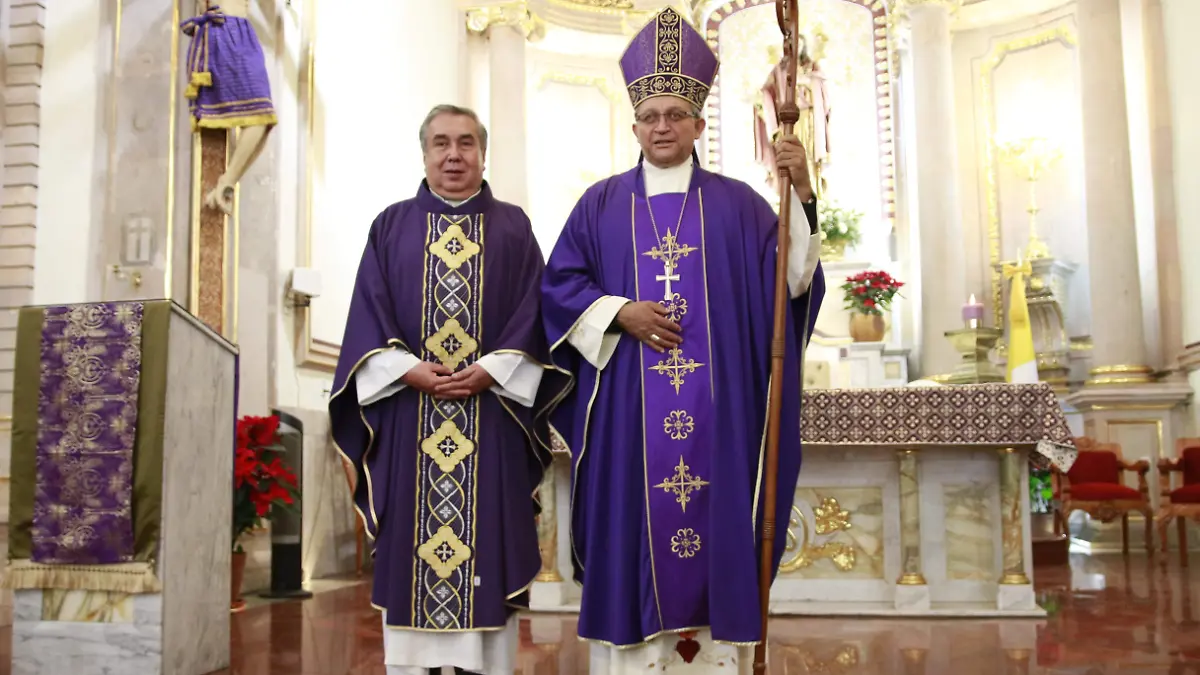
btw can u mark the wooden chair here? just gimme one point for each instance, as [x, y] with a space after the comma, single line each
[360, 530]
[1096, 486]
[1179, 503]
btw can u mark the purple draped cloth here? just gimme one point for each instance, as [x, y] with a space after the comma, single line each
[87, 427]
[227, 73]
[667, 448]
[445, 487]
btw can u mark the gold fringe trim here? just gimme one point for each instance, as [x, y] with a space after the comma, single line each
[267, 120]
[136, 577]
[199, 79]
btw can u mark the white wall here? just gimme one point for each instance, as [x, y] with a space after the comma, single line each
[70, 123]
[377, 74]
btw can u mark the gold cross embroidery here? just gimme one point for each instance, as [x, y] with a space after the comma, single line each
[683, 484]
[676, 367]
[668, 252]
[671, 250]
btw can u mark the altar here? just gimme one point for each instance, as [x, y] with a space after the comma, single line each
[911, 502]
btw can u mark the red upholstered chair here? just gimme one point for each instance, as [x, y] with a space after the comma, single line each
[1096, 485]
[1180, 502]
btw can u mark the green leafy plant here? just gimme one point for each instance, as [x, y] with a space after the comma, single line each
[870, 292]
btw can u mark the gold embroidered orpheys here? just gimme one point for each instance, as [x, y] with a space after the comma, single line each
[683, 484]
[668, 41]
[443, 589]
[448, 446]
[679, 425]
[676, 367]
[451, 345]
[444, 552]
[454, 248]
[669, 252]
[676, 307]
[685, 543]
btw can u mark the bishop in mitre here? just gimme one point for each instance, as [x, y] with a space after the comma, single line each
[658, 297]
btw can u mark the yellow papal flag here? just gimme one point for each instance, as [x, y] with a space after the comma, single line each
[1022, 360]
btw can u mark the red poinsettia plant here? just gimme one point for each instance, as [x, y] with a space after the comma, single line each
[870, 292]
[261, 481]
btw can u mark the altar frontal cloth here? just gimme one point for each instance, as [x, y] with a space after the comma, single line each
[88, 408]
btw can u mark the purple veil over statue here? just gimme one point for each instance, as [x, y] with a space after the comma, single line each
[446, 490]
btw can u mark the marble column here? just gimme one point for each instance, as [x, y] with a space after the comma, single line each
[507, 27]
[1119, 355]
[1015, 591]
[939, 225]
[1178, 16]
[911, 590]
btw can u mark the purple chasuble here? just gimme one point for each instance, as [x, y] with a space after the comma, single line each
[668, 448]
[445, 488]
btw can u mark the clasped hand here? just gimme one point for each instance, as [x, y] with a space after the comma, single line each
[442, 383]
[649, 323]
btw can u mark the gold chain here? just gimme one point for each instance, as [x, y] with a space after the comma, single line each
[654, 223]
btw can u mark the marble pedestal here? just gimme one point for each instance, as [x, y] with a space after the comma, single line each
[184, 629]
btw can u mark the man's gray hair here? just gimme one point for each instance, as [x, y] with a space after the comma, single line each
[448, 109]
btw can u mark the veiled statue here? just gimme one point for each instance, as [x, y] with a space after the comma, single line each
[812, 95]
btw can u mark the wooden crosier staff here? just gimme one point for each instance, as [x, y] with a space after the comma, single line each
[789, 114]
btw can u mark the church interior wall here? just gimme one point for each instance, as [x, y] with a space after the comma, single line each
[1015, 79]
[568, 92]
[71, 119]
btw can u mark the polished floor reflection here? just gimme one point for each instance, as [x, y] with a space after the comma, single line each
[1108, 615]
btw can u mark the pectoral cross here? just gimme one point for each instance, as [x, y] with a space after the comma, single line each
[667, 277]
[669, 252]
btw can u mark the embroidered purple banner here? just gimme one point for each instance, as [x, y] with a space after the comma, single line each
[87, 411]
[677, 407]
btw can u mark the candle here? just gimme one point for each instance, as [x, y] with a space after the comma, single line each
[972, 313]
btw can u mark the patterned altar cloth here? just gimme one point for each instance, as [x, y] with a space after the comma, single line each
[975, 415]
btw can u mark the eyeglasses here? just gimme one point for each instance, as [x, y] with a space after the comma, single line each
[674, 116]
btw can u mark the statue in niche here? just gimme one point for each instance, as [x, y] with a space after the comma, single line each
[812, 97]
[228, 87]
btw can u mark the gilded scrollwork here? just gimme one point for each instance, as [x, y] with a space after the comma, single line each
[829, 518]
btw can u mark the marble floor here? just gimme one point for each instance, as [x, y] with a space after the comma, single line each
[1108, 615]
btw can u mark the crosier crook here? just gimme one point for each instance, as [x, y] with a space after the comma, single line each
[789, 114]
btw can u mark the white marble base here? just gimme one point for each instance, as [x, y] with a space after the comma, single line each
[547, 594]
[962, 610]
[1015, 598]
[912, 598]
[43, 647]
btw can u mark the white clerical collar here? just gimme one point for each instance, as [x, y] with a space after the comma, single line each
[453, 202]
[672, 179]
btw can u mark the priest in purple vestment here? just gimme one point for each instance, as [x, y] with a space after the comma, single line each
[440, 403]
[658, 297]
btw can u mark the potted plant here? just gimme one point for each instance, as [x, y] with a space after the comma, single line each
[261, 483]
[868, 295]
[839, 229]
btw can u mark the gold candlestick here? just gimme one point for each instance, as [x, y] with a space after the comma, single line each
[974, 344]
[1032, 156]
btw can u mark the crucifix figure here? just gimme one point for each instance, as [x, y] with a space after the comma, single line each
[669, 251]
[229, 100]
